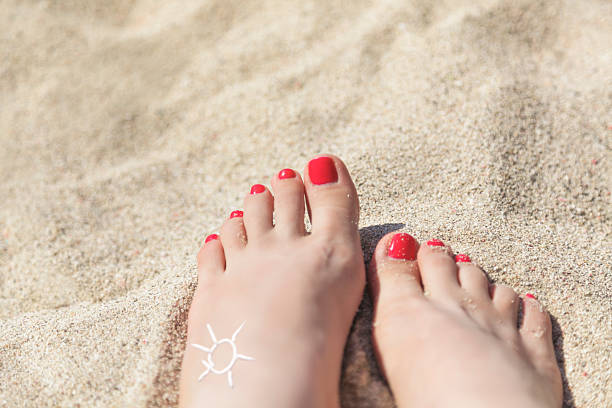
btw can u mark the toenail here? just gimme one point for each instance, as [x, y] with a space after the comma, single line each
[462, 258]
[257, 188]
[236, 213]
[530, 296]
[435, 243]
[322, 170]
[403, 246]
[286, 173]
[211, 237]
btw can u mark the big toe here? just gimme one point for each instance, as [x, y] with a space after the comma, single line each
[395, 287]
[393, 272]
[331, 197]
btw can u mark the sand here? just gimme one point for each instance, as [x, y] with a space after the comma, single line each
[130, 129]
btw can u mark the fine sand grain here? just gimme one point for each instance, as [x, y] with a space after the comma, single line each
[129, 129]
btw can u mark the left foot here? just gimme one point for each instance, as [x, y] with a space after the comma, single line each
[297, 294]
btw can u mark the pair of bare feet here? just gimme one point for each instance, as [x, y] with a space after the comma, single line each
[273, 308]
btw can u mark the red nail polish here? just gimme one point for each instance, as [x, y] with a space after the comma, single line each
[530, 296]
[286, 173]
[462, 258]
[257, 188]
[435, 243]
[403, 246]
[236, 213]
[322, 170]
[211, 237]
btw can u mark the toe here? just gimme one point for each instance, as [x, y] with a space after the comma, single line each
[438, 271]
[258, 207]
[331, 197]
[536, 336]
[393, 270]
[233, 236]
[288, 203]
[395, 288]
[472, 279]
[211, 258]
[536, 329]
[506, 302]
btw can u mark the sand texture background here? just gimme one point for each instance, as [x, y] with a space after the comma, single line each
[130, 128]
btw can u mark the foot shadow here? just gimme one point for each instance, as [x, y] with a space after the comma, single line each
[557, 333]
[362, 383]
[166, 382]
[370, 236]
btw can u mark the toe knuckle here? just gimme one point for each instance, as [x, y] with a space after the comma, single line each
[342, 254]
[507, 291]
[336, 254]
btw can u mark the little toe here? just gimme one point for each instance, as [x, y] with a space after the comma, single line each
[211, 258]
[288, 203]
[393, 270]
[233, 236]
[258, 207]
[506, 302]
[331, 197]
[536, 335]
[472, 279]
[438, 272]
[536, 329]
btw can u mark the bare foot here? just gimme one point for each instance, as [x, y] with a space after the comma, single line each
[445, 339]
[296, 294]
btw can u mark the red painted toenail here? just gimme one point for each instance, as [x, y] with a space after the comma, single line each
[211, 237]
[236, 213]
[257, 188]
[530, 296]
[462, 258]
[403, 246]
[435, 242]
[322, 170]
[286, 173]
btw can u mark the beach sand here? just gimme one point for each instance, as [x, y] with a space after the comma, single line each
[130, 129]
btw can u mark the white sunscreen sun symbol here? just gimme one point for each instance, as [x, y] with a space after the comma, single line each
[210, 365]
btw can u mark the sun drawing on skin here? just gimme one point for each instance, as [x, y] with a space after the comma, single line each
[210, 365]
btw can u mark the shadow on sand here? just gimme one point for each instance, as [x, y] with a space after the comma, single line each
[362, 384]
[557, 333]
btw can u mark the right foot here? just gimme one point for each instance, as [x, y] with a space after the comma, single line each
[444, 339]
